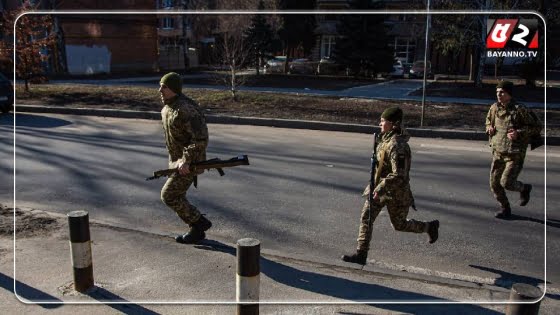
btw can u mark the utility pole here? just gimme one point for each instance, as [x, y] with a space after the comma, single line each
[425, 63]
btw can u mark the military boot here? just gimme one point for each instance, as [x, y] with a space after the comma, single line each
[193, 236]
[525, 194]
[359, 257]
[203, 223]
[504, 213]
[196, 234]
[433, 231]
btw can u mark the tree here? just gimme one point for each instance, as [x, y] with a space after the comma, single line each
[232, 47]
[34, 38]
[297, 31]
[455, 32]
[259, 37]
[363, 45]
[234, 52]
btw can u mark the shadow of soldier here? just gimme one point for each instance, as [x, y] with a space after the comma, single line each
[29, 293]
[118, 303]
[506, 279]
[549, 222]
[349, 289]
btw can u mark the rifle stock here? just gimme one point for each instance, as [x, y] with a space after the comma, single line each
[206, 165]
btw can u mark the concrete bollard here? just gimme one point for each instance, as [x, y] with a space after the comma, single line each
[248, 276]
[521, 292]
[80, 250]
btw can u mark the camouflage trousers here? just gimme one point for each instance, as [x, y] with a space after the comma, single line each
[397, 214]
[173, 194]
[503, 175]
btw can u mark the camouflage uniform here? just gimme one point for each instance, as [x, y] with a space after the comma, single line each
[509, 155]
[393, 188]
[186, 138]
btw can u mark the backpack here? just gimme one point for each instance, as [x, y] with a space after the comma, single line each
[536, 140]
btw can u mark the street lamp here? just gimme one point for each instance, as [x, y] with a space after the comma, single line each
[425, 63]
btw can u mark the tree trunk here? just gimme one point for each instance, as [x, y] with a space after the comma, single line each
[233, 87]
[471, 67]
[258, 62]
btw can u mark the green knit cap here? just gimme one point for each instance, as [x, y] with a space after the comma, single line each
[392, 114]
[173, 81]
[506, 86]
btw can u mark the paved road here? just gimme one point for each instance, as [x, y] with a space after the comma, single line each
[301, 194]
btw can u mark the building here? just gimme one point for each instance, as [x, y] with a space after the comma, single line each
[406, 30]
[100, 43]
[173, 33]
[107, 43]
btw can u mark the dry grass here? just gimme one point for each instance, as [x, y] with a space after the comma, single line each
[269, 105]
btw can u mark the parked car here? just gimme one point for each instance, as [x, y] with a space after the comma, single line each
[302, 66]
[328, 66]
[6, 94]
[275, 65]
[417, 70]
[398, 70]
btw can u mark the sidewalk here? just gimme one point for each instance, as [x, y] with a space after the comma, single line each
[141, 267]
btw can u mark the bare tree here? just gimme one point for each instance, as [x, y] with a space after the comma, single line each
[34, 39]
[235, 54]
[233, 48]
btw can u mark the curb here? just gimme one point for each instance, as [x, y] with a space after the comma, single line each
[269, 122]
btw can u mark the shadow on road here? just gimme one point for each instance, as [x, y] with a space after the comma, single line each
[105, 296]
[349, 289]
[33, 121]
[507, 279]
[549, 222]
[28, 292]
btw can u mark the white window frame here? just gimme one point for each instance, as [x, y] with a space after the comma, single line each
[404, 46]
[327, 45]
[167, 23]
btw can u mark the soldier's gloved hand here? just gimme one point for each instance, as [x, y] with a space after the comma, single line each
[512, 134]
[491, 130]
[375, 196]
[183, 168]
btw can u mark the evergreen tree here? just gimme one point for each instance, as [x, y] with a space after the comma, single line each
[259, 36]
[363, 45]
[297, 30]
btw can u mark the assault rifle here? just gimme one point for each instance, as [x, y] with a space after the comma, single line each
[206, 165]
[372, 176]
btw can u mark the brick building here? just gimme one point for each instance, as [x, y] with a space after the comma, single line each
[100, 43]
[107, 43]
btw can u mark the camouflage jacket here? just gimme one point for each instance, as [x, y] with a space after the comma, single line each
[513, 116]
[186, 133]
[394, 159]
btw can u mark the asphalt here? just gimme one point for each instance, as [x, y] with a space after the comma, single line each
[272, 122]
[140, 272]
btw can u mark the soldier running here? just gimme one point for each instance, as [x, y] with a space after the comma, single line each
[510, 126]
[186, 138]
[393, 188]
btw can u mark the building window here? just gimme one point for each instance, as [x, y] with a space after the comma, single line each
[404, 49]
[168, 23]
[167, 3]
[327, 46]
